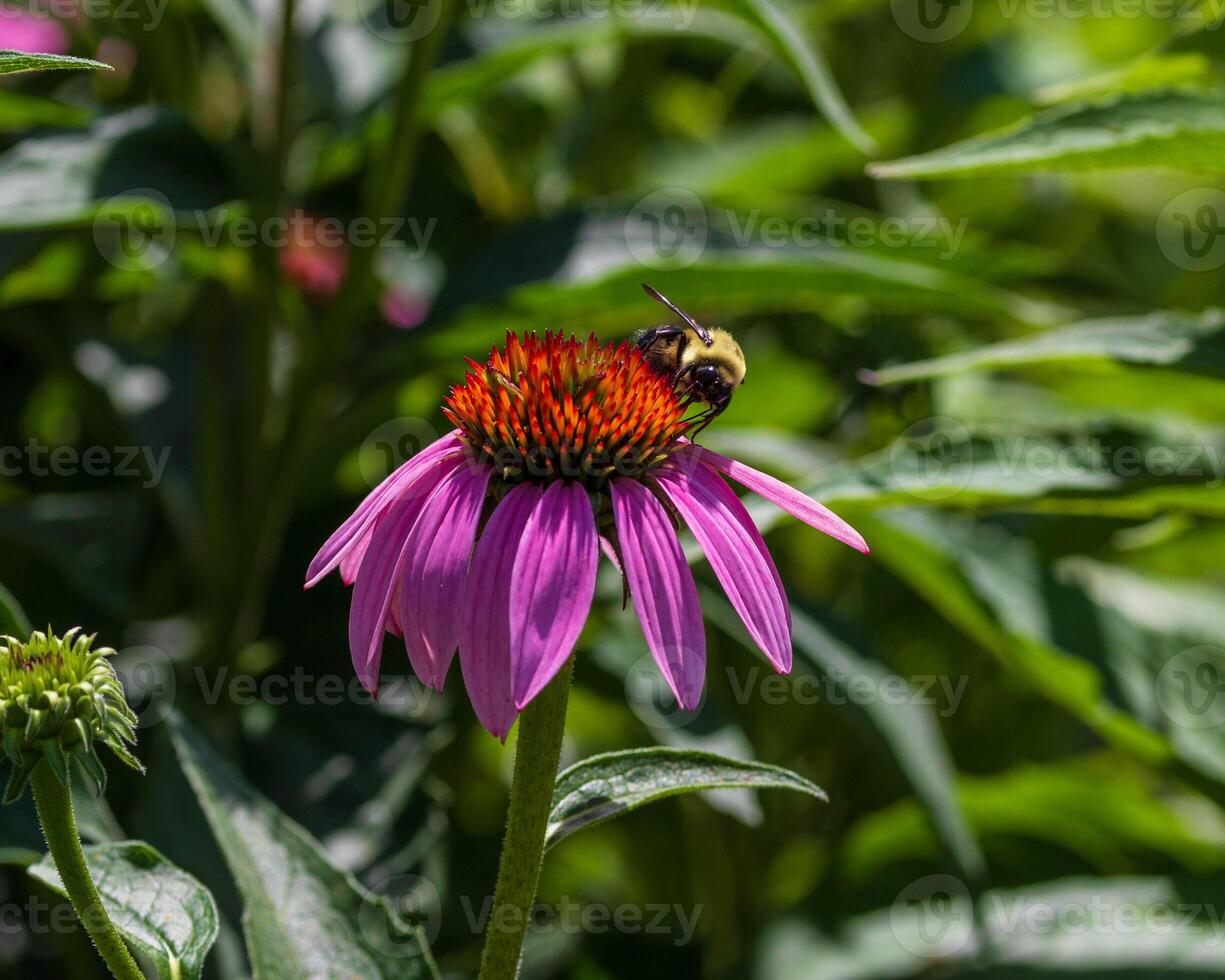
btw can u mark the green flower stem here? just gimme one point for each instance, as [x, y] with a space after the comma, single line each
[541, 727]
[54, 802]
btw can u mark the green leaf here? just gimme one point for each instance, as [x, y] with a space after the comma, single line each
[121, 160]
[991, 586]
[778, 23]
[734, 284]
[20, 111]
[473, 80]
[1149, 129]
[943, 464]
[908, 729]
[764, 164]
[302, 916]
[12, 62]
[161, 910]
[1165, 338]
[1193, 57]
[1094, 807]
[608, 785]
[1044, 929]
[13, 620]
[1132, 656]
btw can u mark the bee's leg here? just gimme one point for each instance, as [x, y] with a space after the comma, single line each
[686, 392]
[654, 335]
[700, 423]
[688, 371]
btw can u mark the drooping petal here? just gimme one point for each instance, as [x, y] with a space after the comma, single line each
[392, 625]
[352, 560]
[661, 584]
[349, 535]
[484, 620]
[380, 571]
[788, 498]
[432, 584]
[552, 586]
[736, 552]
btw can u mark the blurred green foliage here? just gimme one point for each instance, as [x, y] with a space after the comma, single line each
[973, 254]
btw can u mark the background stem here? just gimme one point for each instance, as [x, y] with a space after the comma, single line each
[541, 727]
[390, 174]
[54, 802]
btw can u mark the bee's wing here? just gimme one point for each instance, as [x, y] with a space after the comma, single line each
[659, 297]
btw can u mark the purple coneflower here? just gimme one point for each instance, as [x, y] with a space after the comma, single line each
[487, 540]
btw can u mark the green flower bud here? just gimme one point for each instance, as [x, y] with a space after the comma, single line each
[60, 698]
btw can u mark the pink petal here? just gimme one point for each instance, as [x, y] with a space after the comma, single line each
[551, 588]
[661, 583]
[779, 493]
[433, 580]
[392, 625]
[349, 535]
[484, 619]
[736, 552]
[352, 561]
[370, 608]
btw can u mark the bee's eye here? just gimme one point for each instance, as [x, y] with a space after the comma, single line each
[707, 374]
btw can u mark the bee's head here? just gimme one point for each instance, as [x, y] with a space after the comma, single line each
[712, 386]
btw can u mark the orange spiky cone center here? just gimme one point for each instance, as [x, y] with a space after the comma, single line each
[550, 408]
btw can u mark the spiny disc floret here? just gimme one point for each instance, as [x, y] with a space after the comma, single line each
[60, 697]
[547, 408]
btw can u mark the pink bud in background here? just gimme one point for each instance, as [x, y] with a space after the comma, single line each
[403, 307]
[314, 257]
[21, 30]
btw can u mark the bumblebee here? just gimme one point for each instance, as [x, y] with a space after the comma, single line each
[707, 366]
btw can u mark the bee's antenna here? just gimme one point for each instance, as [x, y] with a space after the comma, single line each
[659, 297]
